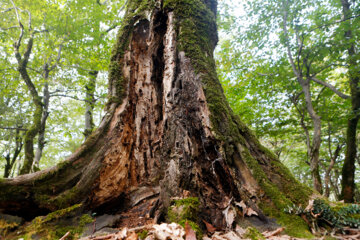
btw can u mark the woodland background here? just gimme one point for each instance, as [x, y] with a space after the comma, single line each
[72, 43]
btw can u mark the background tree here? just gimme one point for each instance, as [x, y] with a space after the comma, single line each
[351, 35]
[60, 39]
[310, 39]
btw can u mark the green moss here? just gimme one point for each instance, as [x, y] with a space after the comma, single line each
[57, 224]
[253, 234]
[6, 226]
[185, 210]
[136, 10]
[61, 213]
[143, 234]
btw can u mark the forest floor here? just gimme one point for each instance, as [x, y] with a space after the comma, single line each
[176, 232]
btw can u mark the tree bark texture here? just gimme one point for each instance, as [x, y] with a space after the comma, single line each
[42, 127]
[348, 170]
[90, 103]
[168, 130]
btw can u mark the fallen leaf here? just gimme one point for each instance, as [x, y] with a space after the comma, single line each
[241, 204]
[268, 234]
[132, 236]
[210, 228]
[239, 230]
[250, 212]
[243, 207]
[166, 231]
[189, 232]
[230, 215]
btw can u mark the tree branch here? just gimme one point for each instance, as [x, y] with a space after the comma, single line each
[68, 96]
[4, 29]
[335, 22]
[17, 45]
[331, 87]
[287, 43]
[13, 128]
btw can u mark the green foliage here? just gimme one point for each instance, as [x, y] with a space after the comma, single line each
[260, 84]
[71, 38]
[322, 214]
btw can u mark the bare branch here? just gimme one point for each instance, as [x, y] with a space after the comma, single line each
[326, 67]
[5, 69]
[32, 69]
[287, 42]
[4, 29]
[78, 67]
[7, 10]
[331, 87]
[39, 31]
[68, 96]
[335, 22]
[17, 45]
[13, 128]
[58, 57]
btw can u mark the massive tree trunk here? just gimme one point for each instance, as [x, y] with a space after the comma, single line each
[168, 130]
[348, 170]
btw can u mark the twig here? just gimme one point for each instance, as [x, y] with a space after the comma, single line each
[65, 236]
[274, 233]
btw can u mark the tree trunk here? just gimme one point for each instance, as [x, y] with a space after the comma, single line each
[10, 161]
[168, 130]
[90, 103]
[34, 128]
[348, 170]
[316, 141]
[304, 82]
[44, 116]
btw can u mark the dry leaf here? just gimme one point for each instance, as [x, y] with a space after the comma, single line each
[268, 234]
[230, 215]
[168, 231]
[250, 212]
[210, 228]
[231, 236]
[132, 236]
[239, 230]
[241, 204]
[189, 232]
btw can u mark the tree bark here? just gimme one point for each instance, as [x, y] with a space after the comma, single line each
[10, 161]
[34, 128]
[90, 103]
[168, 129]
[348, 170]
[44, 116]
